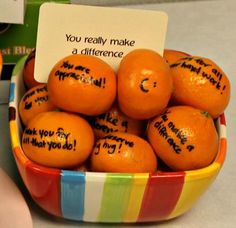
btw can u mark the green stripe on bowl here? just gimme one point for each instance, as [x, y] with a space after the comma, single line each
[116, 195]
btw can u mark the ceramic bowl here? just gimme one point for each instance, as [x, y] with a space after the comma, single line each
[109, 197]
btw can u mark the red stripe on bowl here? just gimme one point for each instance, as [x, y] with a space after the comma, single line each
[161, 195]
[44, 186]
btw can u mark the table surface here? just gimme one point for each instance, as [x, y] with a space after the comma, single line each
[200, 28]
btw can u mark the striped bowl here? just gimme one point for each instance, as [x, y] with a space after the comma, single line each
[108, 197]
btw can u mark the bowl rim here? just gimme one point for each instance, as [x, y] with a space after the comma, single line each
[19, 155]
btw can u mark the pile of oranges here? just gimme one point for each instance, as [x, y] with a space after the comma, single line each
[154, 108]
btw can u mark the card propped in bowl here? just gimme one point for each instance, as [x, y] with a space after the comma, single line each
[105, 32]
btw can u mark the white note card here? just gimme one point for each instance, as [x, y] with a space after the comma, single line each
[106, 32]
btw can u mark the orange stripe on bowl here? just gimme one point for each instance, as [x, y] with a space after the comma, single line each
[222, 151]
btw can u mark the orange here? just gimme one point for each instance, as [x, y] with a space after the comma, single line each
[124, 153]
[1, 63]
[171, 56]
[35, 101]
[201, 83]
[58, 139]
[82, 168]
[144, 84]
[28, 71]
[82, 84]
[114, 120]
[184, 137]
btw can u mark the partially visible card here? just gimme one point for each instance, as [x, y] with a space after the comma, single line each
[105, 32]
[12, 11]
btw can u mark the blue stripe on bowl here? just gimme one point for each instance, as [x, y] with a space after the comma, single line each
[12, 92]
[72, 194]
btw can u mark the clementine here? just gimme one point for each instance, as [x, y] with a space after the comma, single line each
[82, 84]
[35, 101]
[144, 84]
[1, 63]
[58, 139]
[184, 137]
[28, 71]
[171, 56]
[124, 153]
[201, 83]
[114, 120]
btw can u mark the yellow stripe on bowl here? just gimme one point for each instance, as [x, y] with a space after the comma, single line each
[136, 196]
[195, 184]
